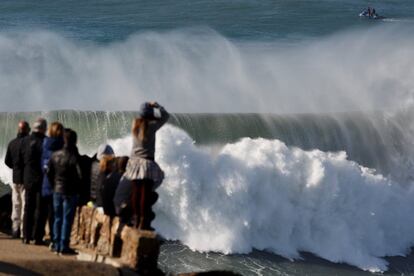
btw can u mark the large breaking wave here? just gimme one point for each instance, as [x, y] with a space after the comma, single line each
[259, 193]
[199, 70]
[232, 194]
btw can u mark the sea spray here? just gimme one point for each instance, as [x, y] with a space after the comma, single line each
[259, 193]
[199, 70]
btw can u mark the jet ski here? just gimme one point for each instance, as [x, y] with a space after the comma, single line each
[365, 14]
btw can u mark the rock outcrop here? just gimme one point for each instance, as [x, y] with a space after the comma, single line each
[107, 238]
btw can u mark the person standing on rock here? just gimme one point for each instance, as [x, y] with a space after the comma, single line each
[65, 176]
[14, 161]
[31, 152]
[142, 170]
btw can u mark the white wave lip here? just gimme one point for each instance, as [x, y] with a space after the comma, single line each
[261, 194]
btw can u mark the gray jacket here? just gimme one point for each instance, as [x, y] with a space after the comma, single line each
[146, 148]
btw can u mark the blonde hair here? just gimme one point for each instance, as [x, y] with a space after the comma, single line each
[107, 164]
[139, 127]
[55, 130]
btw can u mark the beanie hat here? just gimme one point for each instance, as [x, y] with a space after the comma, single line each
[104, 149]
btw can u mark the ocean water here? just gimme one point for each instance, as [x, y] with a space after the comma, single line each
[290, 148]
[112, 20]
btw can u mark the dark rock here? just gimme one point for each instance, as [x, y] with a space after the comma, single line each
[141, 251]
[116, 239]
[103, 245]
[85, 221]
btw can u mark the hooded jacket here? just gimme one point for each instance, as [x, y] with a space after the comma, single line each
[50, 145]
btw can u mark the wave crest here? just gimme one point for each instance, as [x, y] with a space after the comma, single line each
[259, 193]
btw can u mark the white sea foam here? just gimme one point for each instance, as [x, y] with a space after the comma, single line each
[261, 194]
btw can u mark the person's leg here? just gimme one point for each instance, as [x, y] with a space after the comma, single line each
[142, 205]
[23, 200]
[69, 206]
[58, 220]
[40, 218]
[147, 200]
[16, 210]
[74, 202]
[125, 215]
[29, 209]
[136, 201]
[50, 215]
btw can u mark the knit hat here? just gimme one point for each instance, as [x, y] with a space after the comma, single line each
[104, 149]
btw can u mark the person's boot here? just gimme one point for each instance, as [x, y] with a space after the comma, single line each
[39, 242]
[68, 251]
[16, 234]
[25, 241]
[145, 223]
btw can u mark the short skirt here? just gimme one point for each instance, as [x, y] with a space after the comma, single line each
[140, 168]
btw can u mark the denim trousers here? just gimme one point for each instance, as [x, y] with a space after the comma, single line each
[64, 208]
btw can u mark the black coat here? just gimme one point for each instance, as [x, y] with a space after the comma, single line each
[107, 186]
[14, 159]
[32, 147]
[85, 163]
[64, 172]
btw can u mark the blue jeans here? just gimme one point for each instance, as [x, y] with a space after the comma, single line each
[64, 207]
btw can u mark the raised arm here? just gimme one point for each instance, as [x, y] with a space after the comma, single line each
[160, 114]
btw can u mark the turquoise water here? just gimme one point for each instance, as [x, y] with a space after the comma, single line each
[205, 56]
[108, 21]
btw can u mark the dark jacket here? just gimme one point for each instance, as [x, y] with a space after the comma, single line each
[107, 187]
[64, 171]
[50, 145]
[85, 163]
[122, 196]
[32, 154]
[14, 159]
